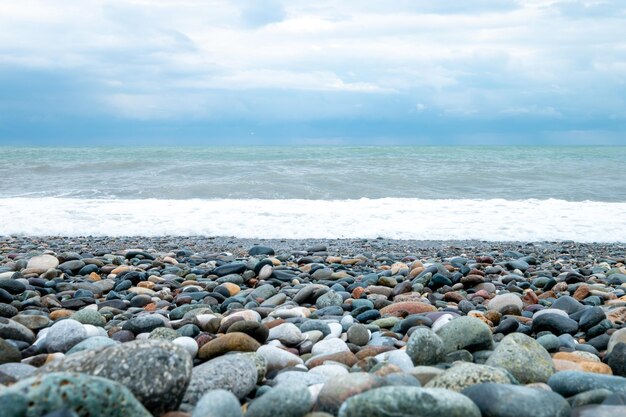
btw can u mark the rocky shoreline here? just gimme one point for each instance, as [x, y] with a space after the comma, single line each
[208, 327]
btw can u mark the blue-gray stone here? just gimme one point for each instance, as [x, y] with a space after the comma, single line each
[408, 401]
[503, 400]
[85, 394]
[569, 383]
[285, 400]
[157, 372]
[218, 403]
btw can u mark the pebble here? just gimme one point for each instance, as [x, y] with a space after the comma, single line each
[523, 357]
[95, 396]
[516, 401]
[425, 347]
[217, 403]
[408, 401]
[65, 334]
[234, 373]
[342, 321]
[464, 374]
[285, 400]
[156, 372]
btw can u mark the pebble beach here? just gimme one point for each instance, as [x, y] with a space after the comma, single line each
[225, 327]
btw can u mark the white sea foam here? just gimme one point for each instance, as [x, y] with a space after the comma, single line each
[400, 218]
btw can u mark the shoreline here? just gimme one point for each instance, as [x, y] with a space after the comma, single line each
[345, 246]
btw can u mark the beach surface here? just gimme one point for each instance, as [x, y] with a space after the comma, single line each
[220, 326]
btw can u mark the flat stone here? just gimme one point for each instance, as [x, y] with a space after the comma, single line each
[555, 324]
[506, 302]
[42, 263]
[495, 400]
[408, 401]
[8, 352]
[570, 383]
[10, 329]
[329, 346]
[465, 374]
[278, 358]
[408, 307]
[230, 342]
[234, 373]
[285, 400]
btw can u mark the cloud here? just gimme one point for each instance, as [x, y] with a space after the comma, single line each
[419, 64]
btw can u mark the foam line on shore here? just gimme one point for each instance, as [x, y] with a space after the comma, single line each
[394, 218]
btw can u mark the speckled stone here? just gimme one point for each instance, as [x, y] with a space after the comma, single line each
[157, 372]
[218, 403]
[233, 373]
[524, 358]
[425, 347]
[408, 401]
[466, 374]
[338, 389]
[85, 394]
[516, 401]
[88, 316]
[285, 400]
[467, 333]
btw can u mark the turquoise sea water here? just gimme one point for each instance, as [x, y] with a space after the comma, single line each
[490, 193]
[326, 173]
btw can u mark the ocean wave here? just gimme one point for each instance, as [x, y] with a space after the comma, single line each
[399, 218]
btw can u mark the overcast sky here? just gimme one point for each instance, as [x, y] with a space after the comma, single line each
[305, 72]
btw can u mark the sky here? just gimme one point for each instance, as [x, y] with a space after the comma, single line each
[81, 72]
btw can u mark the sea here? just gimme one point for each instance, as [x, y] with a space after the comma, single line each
[497, 193]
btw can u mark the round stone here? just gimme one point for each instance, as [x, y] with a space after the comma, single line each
[187, 343]
[89, 316]
[278, 358]
[286, 333]
[467, 333]
[425, 347]
[358, 334]
[523, 357]
[42, 263]
[144, 323]
[506, 303]
[218, 403]
[65, 334]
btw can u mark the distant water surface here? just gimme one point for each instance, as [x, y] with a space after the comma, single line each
[320, 173]
[489, 193]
